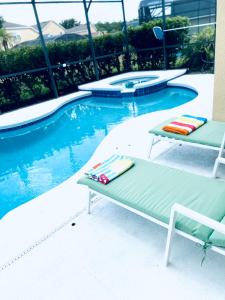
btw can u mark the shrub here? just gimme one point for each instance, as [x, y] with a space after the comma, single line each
[142, 39]
[72, 63]
[199, 53]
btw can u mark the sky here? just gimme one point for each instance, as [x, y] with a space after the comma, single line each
[104, 12]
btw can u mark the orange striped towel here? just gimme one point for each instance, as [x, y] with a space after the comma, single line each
[185, 124]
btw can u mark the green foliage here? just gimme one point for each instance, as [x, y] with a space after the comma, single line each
[69, 23]
[109, 27]
[106, 45]
[21, 59]
[142, 38]
[5, 38]
[199, 53]
[72, 62]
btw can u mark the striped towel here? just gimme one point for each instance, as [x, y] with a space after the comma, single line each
[111, 168]
[185, 124]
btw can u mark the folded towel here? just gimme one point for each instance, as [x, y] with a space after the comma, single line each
[109, 169]
[185, 124]
[198, 118]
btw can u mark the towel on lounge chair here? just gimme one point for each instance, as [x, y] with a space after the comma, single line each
[185, 124]
[109, 169]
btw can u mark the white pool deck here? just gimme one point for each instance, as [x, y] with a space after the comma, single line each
[112, 253]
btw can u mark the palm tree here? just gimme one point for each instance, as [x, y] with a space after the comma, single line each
[5, 38]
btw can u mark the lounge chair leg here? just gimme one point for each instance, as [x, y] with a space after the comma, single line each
[89, 202]
[150, 148]
[215, 167]
[170, 236]
[220, 158]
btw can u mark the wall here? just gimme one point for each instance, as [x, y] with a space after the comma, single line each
[25, 34]
[52, 29]
[219, 84]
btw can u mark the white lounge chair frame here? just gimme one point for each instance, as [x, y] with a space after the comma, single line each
[220, 160]
[175, 210]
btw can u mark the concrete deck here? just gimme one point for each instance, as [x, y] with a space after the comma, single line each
[111, 254]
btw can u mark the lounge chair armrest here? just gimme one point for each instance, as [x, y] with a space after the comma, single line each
[191, 214]
[202, 219]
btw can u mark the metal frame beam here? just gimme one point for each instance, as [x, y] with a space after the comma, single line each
[87, 6]
[58, 2]
[45, 50]
[126, 37]
[91, 43]
[164, 35]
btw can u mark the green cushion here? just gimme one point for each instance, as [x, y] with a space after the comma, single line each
[209, 134]
[218, 238]
[153, 189]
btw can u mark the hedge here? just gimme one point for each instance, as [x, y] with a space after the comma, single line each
[198, 55]
[28, 88]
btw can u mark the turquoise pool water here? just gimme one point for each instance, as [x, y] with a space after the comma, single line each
[38, 157]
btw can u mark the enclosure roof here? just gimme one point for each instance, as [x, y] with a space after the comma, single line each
[60, 37]
[43, 24]
[145, 3]
[12, 25]
[79, 29]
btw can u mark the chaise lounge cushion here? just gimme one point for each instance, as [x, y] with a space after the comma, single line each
[210, 134]
[153, 189]
[218, 238]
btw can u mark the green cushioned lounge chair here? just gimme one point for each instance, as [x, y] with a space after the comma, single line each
[210, 136]
[190, 205]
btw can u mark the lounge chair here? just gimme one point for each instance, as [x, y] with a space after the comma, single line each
[190, 205]
[210, 136]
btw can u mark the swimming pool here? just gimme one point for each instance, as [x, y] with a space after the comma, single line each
[38, 157]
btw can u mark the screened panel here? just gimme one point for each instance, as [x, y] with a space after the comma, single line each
[49, 54]
[13, 58]
[9, 2]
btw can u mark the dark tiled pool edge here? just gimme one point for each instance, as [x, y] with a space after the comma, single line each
[138, 92]
[150, 89]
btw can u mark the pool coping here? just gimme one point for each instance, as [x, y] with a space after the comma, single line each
[36, 112]
[28, 115]
[104, 87]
